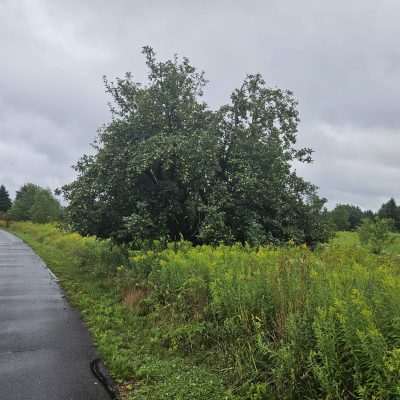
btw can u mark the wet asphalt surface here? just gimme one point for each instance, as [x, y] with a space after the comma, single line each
[45, 349]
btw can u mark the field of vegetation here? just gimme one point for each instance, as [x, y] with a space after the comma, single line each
[234, 322]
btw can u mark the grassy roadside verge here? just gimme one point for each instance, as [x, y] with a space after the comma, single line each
[87, 272]
[235, 322]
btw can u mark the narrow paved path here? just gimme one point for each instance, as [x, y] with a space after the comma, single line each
[45, 349]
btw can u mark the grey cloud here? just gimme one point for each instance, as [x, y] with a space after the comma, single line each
[354, 165]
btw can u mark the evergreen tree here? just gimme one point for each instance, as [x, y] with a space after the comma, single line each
[5, 201]
[369, 214]
[390, 210]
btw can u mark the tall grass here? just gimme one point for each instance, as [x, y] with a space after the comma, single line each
[287, 322]
[272, 323]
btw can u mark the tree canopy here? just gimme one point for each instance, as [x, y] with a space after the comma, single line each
[390, 210]
[35, 203]
[45, 207]
[168, 167]
[347, 217]
[5, 200]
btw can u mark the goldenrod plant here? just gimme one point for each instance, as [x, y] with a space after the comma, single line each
[236, 322]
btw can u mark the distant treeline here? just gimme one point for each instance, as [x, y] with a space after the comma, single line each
[348, 217]
[32, 203]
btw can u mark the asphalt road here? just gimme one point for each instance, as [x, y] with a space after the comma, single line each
[45, 349]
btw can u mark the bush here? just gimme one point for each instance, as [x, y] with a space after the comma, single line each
[376, 233]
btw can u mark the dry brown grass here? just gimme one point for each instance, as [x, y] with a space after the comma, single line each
[125, 390]
[133, 296]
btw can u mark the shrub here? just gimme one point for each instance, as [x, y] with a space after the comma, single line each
[376, 233]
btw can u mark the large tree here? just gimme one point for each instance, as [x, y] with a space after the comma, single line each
[168, 167]
[5, 200]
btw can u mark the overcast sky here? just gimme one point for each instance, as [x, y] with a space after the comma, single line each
[341, 58]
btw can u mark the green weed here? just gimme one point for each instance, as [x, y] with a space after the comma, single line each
[230, 322]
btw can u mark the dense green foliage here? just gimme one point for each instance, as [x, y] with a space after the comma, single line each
[45, 207]
[390, 210]
[33, 203]
[24, 201]
[5, 201]
[167, 167]
[376, 233]
[266, 323]
[347, 217]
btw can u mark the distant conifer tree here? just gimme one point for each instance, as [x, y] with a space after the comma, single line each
[5, 201]
[391, 211]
